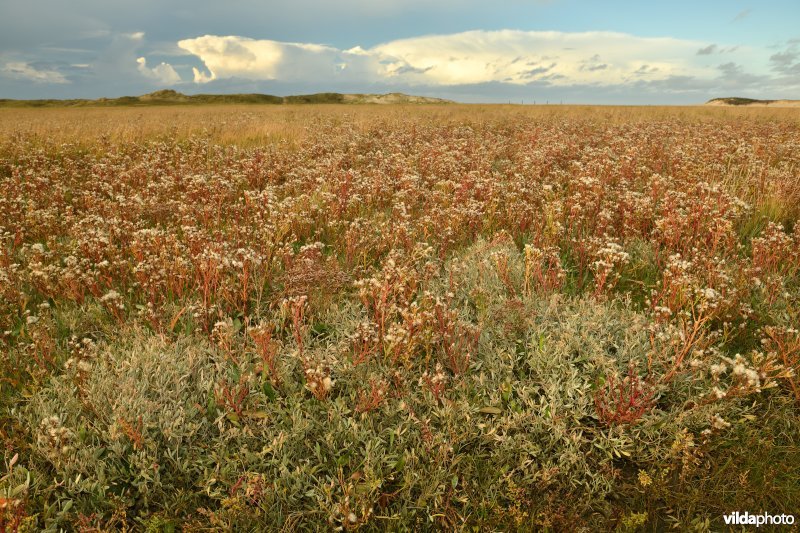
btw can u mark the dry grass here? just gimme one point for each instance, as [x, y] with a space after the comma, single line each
[257, 125]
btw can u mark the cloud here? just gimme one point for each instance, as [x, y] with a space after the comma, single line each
[594, 68]
[742, 15]
[714, 49]
[240, 57]
[118, 59]
[483, 56]
[472, 57]
[708, 50]
[481, 65]
[21, 70]
[644, 70]
[734, 75]
[788, 61]
[522, 63]
[123, 61]
[231, 56]
[163, 73]
[593, 64]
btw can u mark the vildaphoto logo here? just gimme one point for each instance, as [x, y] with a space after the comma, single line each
[765, 519]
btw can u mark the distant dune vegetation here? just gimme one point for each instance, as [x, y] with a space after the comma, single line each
[737, 101]
[171, 97]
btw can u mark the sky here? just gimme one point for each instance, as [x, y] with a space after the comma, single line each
[521, 51]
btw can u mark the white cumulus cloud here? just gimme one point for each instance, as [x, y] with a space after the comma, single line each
[520, 57]
[162, 73]
[240, 57]
[505, 56]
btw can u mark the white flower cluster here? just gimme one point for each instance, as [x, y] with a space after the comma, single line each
[609, 255]
[742, 370]
[54, 439]
[717, 422]
[434, 380]
[319, 381]
[83, 351]
[113, 299]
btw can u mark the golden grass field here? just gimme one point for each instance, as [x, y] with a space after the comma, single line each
[253, 125]
[402, 317]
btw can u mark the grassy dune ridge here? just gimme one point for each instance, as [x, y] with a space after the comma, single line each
[398, 317]
[169, 97]
[751, 102]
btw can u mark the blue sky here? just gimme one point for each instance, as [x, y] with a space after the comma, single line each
[468, 50]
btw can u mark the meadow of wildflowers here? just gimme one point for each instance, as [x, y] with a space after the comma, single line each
[479, 318]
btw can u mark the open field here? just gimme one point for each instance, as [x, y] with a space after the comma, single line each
[398, 317]
[253, 125]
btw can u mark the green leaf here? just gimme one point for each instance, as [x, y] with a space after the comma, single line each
[269, 392]
[211, 405]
